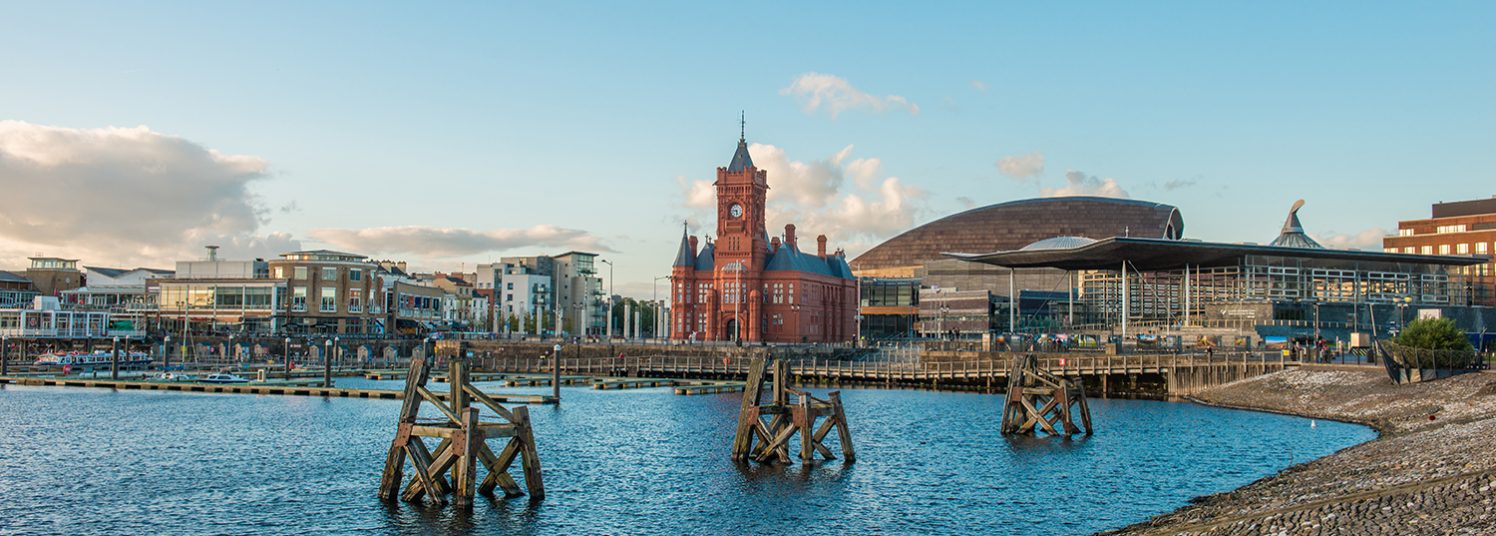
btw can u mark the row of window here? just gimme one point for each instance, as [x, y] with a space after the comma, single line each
[1479, 248]
[327, 273]
[327, 300]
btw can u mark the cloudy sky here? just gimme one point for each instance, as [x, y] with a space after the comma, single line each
[451, 134]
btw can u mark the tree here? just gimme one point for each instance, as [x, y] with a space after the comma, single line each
[1434, 334]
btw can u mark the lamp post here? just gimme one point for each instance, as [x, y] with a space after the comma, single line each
[166, 353]
[4, 355]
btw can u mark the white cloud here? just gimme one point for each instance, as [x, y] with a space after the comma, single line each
[1078, 183]
[1024, 166]
[1368, 239]
[447, 242]
[833, 93]
[979, 85]
[816, 197]
[126, 196]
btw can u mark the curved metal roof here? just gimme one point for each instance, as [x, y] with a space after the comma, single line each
[1015, 224]
[1059, 242]
[1150, 254]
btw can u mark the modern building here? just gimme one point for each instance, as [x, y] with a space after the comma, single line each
[214, 295]
[416, 309]
[578, 292]
[1131, 285]
[745, 286]
[15, 290]
[1455, 228]
[52, 275]
[113, 288]
[331, 292]
[916, 257]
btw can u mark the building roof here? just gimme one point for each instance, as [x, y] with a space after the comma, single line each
[741, 160]
[1292, 235]
[323, 253]
[1012, 225]
[1152, 254]
[12, 277]
[707, 258]
[116, 272]
[1472, 207]
[683, 257]
[790, 258]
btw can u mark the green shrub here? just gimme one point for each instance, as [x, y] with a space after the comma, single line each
[1434, 334]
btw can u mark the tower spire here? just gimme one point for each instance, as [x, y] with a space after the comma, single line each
[742, 126]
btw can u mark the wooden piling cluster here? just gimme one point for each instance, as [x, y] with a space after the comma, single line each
[787, 419]
[1037, 399]
[462, 435]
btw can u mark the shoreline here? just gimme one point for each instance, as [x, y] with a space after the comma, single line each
[1430, 470]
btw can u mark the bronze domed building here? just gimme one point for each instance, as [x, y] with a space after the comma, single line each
[908, 286]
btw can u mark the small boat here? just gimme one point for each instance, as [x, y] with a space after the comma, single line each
[174, 377]
[223, 377]
[101, 358]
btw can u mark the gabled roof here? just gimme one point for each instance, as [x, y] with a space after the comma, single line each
[707, 259]
[12, 277]
[789, 258]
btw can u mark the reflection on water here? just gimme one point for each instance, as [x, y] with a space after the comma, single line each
[642, 461]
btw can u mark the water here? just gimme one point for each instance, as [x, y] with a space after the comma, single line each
[94, 461]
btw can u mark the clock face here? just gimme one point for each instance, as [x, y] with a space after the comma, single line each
[735, 210]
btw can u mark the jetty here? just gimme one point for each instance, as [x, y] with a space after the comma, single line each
[280, 387]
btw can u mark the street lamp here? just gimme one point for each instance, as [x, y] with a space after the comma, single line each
[287, 349]
[166, 353]
[114, 360]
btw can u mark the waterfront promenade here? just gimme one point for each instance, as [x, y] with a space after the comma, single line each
[1432, 471]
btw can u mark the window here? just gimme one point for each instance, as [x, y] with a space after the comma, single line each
[1480, 248]
[355, 300]
[298, 299]
[1462, 249]
[329, 274]
[509, 286]
[280, 272]
[329, 297]
[355, 275]
[1450, 229]
[1443, 249]
[300, 272]
[508, 297]
[1404, 232]
[1427, 250]
[1408, 249]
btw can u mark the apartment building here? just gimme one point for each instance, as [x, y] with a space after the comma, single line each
[1460, 228]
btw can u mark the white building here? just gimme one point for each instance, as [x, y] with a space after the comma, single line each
[113, 287]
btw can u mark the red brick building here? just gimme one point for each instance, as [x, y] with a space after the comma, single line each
[1456, 228]
[747, 286]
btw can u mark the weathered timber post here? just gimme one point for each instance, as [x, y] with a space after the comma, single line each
[1039, 398]
[462, 442]
[786, 419]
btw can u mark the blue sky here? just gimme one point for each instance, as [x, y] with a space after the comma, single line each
[458, 132]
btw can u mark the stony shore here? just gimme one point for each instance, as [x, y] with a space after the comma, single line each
[1432, 471]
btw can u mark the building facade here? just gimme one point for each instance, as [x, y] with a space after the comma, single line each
[745, 286]
[1455, 228]
[331, 292]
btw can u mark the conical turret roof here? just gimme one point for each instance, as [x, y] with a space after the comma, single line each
[1292, 235]
[684, 257]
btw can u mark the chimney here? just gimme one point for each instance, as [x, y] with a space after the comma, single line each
[821, 246]
[774, 243]
[212, 253]
[693, 245]
[789, 235]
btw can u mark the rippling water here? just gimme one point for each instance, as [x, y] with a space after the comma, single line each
[643, 461]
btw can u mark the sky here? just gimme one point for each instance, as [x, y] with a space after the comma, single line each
[449, 134]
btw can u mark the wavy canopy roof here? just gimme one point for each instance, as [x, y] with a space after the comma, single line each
[1013, 225]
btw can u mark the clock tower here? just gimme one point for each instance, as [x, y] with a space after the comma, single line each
[742, 190]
